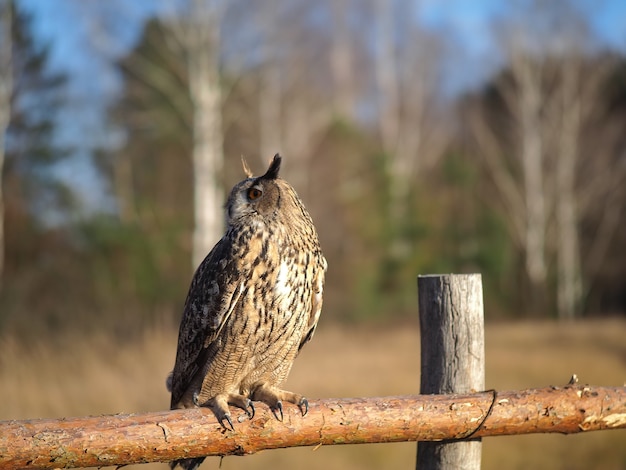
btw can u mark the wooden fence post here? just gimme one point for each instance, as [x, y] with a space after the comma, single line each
[452, 357]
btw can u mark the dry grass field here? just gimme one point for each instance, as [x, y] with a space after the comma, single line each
[87, 376]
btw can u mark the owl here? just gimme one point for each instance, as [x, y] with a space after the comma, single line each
[253, 303]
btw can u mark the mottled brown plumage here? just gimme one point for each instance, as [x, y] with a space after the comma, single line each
[253, 303]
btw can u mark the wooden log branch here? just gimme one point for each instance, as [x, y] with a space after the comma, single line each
[168, 435]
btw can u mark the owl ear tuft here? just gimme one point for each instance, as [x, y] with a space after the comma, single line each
[272, 171]
[246, 168]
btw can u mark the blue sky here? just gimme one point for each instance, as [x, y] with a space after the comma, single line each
[470, 19]
[69, 26]
[74, 30]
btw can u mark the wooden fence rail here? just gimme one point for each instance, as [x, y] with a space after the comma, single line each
[451, 321]
[169, 435]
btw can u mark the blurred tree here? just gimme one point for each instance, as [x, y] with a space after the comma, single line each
[270, 81]
[151, 175]
[178, 66]
[154, 112]
[31, 95]
[601, 184]
[36, 94]
[386, 74]
[196, 30]
[299, 52]
[412, 134]
[517, 96]
[301, 78]
[342, 60]
[533, 126]
[6, 90]
[280, 98]
[30, 145]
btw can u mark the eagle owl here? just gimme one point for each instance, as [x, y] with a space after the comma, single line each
[253, 303]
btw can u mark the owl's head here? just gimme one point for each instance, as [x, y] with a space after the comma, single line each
[258, 197]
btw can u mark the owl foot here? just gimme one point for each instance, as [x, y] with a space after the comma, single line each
[273, 397]
[242, 402]
[219, 406]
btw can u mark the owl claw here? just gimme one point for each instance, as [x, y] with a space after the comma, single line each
[243, 403]
[229, 421]
[219, 406]
[274, 397]
[251, 410]
[279, 407]
[304, 406]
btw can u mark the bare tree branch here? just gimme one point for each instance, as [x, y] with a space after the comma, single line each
[161, 81]
[491, 152]
[610, 220]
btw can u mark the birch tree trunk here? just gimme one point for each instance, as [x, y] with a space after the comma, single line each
[389, 121]
[524, 198]
[579, 107]
[6, 90]
[207, 160]
[569, 288]
[556, 103]
[405, 77]
[341, 61]
[199, 36]
[528, 76]
[386, 75]
[412, 84]
[421, 141]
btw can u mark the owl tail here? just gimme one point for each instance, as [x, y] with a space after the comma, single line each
[187, 464]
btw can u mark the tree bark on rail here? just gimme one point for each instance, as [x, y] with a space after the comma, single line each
[169, 435]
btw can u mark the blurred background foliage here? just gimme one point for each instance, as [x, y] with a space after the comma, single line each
[401, 175]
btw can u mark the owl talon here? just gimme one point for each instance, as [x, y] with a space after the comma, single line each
[273, 397]
[304, 406]
[243, 403]
[229, 421]
[279, 407]
[251, 410]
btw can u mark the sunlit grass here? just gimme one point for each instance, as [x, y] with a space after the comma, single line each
[87, 376]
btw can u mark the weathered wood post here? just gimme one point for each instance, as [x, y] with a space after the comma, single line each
[452, 357]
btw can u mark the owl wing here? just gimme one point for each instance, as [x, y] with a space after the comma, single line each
[316, 301]
[213, 294]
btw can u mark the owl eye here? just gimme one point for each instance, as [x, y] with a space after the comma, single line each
[254, 193]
